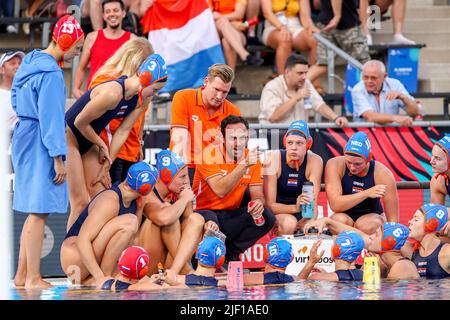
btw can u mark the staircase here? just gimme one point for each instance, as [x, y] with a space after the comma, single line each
[428, 22]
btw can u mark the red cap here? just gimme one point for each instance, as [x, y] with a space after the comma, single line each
[133, 262]
[67, 32]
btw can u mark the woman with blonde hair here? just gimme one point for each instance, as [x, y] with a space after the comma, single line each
[124, 63]
[89, 157]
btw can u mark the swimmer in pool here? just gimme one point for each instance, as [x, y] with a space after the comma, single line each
[385, 243]
[210, 256]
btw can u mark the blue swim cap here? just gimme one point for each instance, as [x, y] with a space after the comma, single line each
[300, 128]
[347, 246]
[359, 145]
[169, 164]
[278, 253]
[142, 177]
[152, 70]
[394, 236]
[444, 143]
[211, 252]
[436, 216]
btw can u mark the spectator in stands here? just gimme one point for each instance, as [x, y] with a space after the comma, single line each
[38, 96]
[338, 23]
[252, 10]
[378, 98]
[283, 98]
[228, 15]
[283, 30]
[354, 184]
[9, 64]
[125, 62]
[138, 7]
[285, 172]
[101, 44]
[398, 17]
[93, 10]
[220, 187]
[197, 114]
[6, 10]
[33, 7]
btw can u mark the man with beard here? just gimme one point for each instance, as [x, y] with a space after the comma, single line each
[100, 45]
[289, 97]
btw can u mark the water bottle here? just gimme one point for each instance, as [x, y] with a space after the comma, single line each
[307, 104]
[308, 209]
[258, 218]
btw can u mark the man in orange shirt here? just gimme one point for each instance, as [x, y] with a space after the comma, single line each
[197, 114]
[220, 187]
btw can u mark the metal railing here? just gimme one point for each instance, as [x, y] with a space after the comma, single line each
[332, 51]
[322, 125]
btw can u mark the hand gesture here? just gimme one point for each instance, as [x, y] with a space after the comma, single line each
[103, 176]
[315, 257]
[255, 207]
[377, 191]
[187, 194]
[319, 224]
[403, 120]
[392, 95]
[60, 170]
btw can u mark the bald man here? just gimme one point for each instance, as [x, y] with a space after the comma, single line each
[378, 98]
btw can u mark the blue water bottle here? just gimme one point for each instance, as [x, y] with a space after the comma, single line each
[308, 209]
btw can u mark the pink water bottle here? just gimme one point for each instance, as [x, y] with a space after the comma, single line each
[235, 275]
[258, 218]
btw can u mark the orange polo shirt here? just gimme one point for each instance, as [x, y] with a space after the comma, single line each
[188, 111]
[131, 147]
[206, 198]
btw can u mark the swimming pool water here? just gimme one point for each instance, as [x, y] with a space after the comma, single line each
[305, 290]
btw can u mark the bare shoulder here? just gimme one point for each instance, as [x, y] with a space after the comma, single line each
[314, 157]
[382, 172]
[335, 165]
[90, 38]
[110, 91]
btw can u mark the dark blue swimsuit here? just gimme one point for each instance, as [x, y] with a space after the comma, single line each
[120, 285]
[277, 278]
[290, 182]
[120, 111]
[76, 227]
[352, 184]
[429, 266]
[350, 275]
[193, 280]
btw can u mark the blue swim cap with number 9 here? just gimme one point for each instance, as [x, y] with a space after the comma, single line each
[142, 177]
[169, 164]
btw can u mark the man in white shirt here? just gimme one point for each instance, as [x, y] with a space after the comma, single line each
[378, 98]
[289, 97]
[9, 64]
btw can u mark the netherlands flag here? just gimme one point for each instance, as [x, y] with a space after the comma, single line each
[184, 33]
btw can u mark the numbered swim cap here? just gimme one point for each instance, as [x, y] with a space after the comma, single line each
[152, 70]
[169, 164]
[133, 263]
[278, 253]
[444, 143]
[142, 177]
[300, 128]
[67, 32]
[347, 246]
[211, 252]
[359, 145]
[436, 216]
[394, 236]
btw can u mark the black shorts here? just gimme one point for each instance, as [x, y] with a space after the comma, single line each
[239, 228]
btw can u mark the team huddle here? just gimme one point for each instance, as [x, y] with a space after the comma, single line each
[137, 226]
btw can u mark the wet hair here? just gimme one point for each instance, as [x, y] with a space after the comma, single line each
[122, 6]
[295, 59]
[232, 119]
